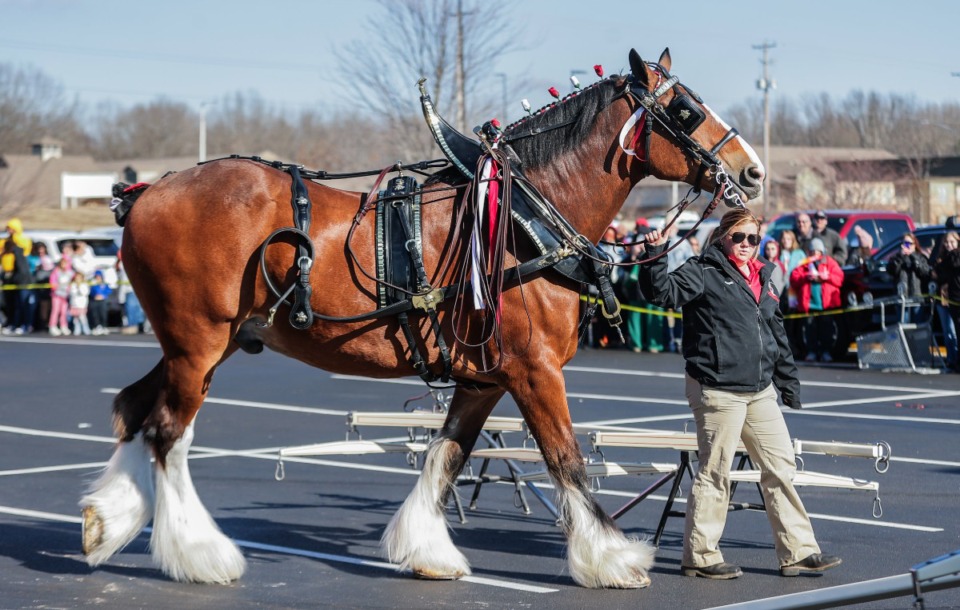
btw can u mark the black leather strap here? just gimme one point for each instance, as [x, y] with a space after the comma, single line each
[301, 314]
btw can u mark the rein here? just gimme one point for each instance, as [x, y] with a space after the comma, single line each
[482, 269]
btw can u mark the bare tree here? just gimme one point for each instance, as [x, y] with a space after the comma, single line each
[826, 124]
[419, 38]
[33, 105]
[161, 128]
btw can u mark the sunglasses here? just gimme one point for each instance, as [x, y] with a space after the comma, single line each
[753, 239]
[908, 244]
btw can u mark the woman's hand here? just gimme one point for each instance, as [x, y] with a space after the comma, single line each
[656, 238]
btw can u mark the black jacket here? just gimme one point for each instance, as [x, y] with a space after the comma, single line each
[948, 272]
[911, 270]
[730, 341]
[20, 274]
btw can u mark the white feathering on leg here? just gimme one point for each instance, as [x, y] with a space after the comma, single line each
[417, 536]
[186, 542]
[119, 504]
[599, 555]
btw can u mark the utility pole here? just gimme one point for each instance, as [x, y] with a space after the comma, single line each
[503, 97]
[202, 155]
[765, 84]
[460, 89]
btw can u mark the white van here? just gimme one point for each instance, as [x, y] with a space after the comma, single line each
[103, 245]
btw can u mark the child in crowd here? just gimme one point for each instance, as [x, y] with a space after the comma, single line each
[99, 292]
[79, 302]
[42, 265]
[60, 279]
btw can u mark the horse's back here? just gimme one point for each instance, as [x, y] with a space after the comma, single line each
[194, 236]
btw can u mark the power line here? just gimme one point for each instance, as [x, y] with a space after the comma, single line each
[220, 62]
[765, 83]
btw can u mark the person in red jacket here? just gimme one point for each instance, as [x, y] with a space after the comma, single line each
[816, 281]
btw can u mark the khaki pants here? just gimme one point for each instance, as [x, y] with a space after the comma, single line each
[723, 418]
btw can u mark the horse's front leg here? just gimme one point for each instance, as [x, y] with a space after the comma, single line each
[599, 554]
[417, 536]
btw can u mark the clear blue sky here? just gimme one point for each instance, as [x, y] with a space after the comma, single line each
[199, 50]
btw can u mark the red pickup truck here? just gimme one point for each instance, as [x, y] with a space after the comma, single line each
[884, 227]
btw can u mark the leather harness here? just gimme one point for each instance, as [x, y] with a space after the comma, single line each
[402, 282]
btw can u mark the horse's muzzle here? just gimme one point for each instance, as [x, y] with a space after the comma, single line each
[750, 181]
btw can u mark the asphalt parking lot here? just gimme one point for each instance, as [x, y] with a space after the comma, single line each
[311, 540]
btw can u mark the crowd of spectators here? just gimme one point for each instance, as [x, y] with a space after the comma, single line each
[63, 297]
[807, 279]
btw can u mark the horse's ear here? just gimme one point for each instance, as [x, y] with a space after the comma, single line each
[665, 59]
[639, 68]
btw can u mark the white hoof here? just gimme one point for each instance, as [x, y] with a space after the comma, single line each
[186, 542]
[213, 558]
[417, 537]
[421, 544]
[617, 562]
[598, 554]
[119, 504]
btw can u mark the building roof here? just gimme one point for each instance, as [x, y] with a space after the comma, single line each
[788, 161]
[151, 170]
[27, 180]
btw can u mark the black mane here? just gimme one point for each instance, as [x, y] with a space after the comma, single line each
[581, 109]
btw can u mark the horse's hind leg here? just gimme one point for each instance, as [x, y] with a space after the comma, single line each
[186, 542]
[417, 537]
[154, 417]
[119, 504]
[598, 553]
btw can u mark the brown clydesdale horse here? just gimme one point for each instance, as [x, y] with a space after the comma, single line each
[191, 249]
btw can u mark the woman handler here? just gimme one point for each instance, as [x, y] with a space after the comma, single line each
[736, 352]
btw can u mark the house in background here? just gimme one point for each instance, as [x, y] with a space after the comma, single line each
[801, 178]
[927, 188]
[47, 178]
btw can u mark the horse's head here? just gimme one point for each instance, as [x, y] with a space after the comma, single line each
[684, 139]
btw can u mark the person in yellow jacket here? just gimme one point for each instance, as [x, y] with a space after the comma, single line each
[15, 232]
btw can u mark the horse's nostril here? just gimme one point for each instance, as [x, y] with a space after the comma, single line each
[753, 175]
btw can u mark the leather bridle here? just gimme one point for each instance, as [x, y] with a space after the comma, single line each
[680, 119]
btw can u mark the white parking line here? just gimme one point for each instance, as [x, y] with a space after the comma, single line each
[915, 420]
[825, 384]
[61, 468]
[76, 341]
[256, 405]
[270, 453]
[286, 550]
[894, 398]
[51, 434]
[918, 394]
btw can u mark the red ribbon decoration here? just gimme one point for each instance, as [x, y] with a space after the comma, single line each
[599, 70]
[493, 203]
[636, 136]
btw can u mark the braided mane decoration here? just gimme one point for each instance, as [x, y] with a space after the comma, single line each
[580, 109]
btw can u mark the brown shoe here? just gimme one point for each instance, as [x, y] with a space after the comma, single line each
[814, 563]
[718, 571]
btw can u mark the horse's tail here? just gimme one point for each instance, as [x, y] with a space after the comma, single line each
[135, 402]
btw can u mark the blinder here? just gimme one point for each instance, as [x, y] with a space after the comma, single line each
[687, 114]
[680, 118]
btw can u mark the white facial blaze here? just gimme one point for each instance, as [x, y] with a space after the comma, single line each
[743, 143]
